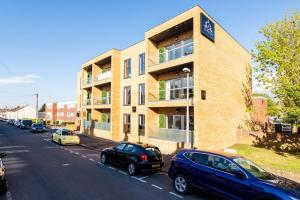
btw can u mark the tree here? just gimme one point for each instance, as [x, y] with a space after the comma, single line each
[43, 108]
[278, 64]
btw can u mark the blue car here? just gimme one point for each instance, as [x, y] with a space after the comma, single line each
[228, 176]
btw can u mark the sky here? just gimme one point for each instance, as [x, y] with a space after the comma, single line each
[44, 43]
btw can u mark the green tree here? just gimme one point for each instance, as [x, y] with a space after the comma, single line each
[278, 64]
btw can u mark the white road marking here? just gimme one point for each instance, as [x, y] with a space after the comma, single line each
[112, 168]
[66, 164]
[92, 160]
[8, 195]
[136, 178]
[12, 147]
[156, 187]
[83, 156]
[157, 174]
[143, 177]
[122, 172]
[77, 153]
[176, 195]
[17, 151]
[100, 163]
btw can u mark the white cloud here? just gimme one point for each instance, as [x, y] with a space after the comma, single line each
[26, 79]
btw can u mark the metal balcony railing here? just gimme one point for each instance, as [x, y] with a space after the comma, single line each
[102, 126]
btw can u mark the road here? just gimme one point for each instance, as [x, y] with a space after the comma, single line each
[38, 169]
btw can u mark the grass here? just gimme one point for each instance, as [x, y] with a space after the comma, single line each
[269, 158]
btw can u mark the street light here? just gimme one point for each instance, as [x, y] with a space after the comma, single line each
[187, 71]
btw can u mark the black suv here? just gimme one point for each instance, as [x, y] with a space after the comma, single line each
[134, 157]
[3, 183]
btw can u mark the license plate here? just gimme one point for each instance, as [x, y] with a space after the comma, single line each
[156, 166]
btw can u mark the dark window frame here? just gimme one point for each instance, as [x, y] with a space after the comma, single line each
[142, 67]
[127, 68]
[126, 97]
[140, 101]
[139, 124]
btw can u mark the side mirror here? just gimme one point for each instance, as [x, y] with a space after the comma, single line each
[2, 155]
[239, 174]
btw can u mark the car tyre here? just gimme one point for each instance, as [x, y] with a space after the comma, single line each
[131, 169]
[103, 158]
[59, 142]
[181, 184]
[3, 188]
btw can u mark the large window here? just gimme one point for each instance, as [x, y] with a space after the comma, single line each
[142, 94]
[142, 64]
[175, 122]
[142, 125]
[127, 68]
[126, 123]
[127, 96]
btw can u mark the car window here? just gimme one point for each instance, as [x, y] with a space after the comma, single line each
[120, 146]
[67, 132]
[224, 164]
[152, 151]
[130, 148]
[199, 158]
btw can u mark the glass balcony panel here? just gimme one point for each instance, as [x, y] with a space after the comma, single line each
[102, 126]
[174, 135]
[103, 76]
[86, 124]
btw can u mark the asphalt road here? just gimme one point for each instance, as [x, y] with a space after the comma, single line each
[38, 169]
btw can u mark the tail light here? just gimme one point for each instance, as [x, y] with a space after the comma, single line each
[144, 157]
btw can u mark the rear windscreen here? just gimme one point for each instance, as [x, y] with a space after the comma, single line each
[152, 151]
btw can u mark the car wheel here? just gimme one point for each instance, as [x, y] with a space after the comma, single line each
[3, 188]
[131, 169]
[103, 158]
[59, 142]
[181, 184]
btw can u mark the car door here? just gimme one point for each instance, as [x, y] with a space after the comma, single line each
[115, 153]
[199, 168]
[230, 180]
[57, 135]
[129, 153]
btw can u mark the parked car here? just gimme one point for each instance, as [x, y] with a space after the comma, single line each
[134, 157]
[25, 124]
[11, 122]
[37, 128]
[65, 137]
[17, 123]
[229, 176]
[3, 182]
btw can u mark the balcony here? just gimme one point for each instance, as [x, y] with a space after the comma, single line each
[103, 78]
[174, 135]
[102, 102]
[102, 126]
[87, 102]
[86, 124]
[87, 82]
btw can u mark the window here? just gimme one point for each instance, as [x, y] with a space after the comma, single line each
[142, 64]
[142, 94]
[60, 114]
[126, 123]
[127, 96]
[199, 158]
[224, 165]
[120, 146]
[127, 68]
[70, 114]
[130, 148]
[142, 125]
[175, 122]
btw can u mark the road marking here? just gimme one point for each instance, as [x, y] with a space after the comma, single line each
[156, 186]
[17, 151]
[77, 153]
[176, 195]
[83, 156]
[143, 181]
[92, 160]
[12, 146]
[100, 163]
[66, 164]
[143, 177]
[157, 174]
[122, 172]
[112, 168]
[8, 195]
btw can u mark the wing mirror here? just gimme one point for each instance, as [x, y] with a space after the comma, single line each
[2, 155]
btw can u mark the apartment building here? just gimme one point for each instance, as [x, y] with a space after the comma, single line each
[142, 93]
[61, 111]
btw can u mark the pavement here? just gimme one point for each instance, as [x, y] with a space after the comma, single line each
[38, 169]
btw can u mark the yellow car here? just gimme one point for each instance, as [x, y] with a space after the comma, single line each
[65, 137]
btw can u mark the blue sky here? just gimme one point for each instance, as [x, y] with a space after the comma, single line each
[43, 43]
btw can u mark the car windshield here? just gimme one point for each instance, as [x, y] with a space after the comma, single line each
[37, 125]
[254, 169]
[67, 132]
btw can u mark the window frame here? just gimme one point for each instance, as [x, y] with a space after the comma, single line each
[141, 93]
[139, 124]
[142, 64]
[125, 96]
[127, 68]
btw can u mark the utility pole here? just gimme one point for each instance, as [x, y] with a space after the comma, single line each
[37, 105]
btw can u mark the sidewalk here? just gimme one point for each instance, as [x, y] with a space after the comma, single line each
[98, 144]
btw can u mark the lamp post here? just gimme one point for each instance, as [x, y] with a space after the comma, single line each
[188, 143]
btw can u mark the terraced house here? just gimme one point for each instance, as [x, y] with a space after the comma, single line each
[142, 93]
